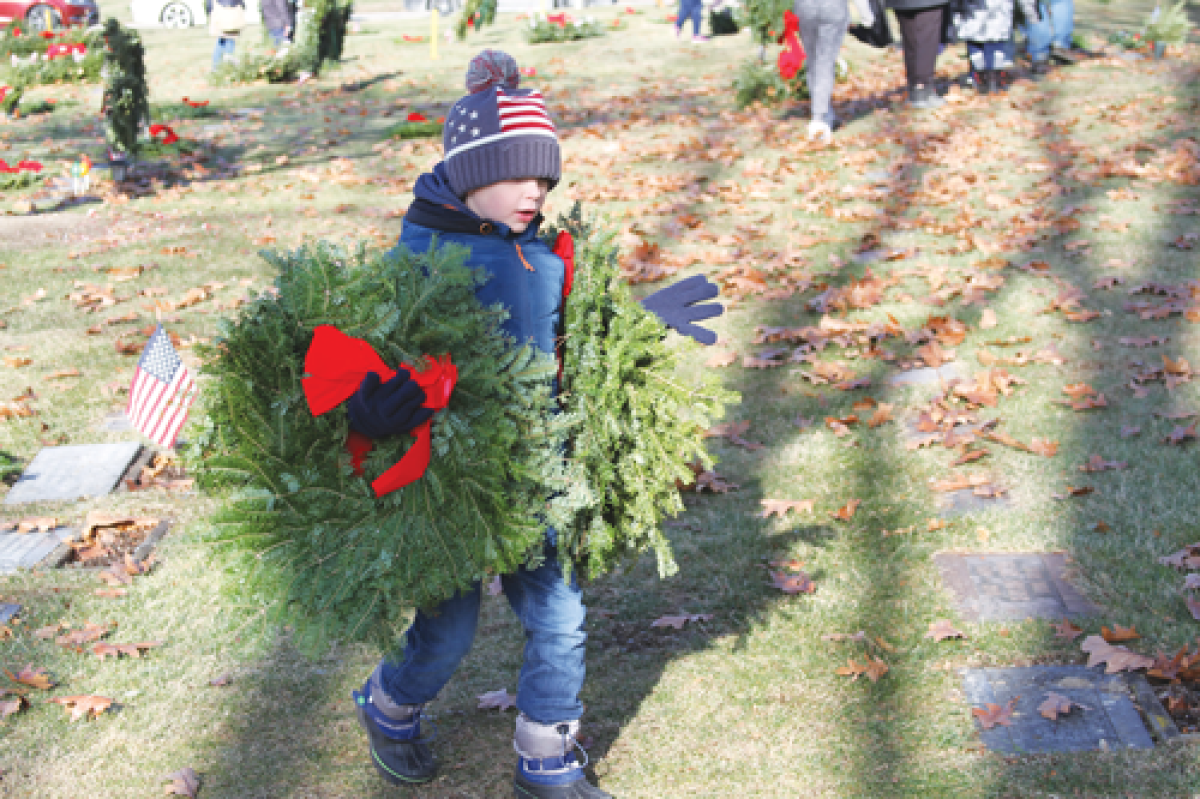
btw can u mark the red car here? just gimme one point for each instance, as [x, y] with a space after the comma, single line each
[42, 15]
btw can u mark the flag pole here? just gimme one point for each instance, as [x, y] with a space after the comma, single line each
[433, 31]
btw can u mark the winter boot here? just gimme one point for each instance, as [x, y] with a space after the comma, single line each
[924, 96]
[400, 754]
[546, 763]
[979, 79]
[995, 81]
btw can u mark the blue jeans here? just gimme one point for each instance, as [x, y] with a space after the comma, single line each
[989, 55]
[1055, 28]
[223, 50]
[552, 612]
[278, 36]
[689, 9]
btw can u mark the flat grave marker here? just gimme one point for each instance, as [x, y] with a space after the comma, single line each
[1104, 714]
[69, 473]
[966, 502]
[1000, 587]
[929, 376]
[31, 550]
[116, 422]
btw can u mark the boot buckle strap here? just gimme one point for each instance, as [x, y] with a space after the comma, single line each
[549, 763]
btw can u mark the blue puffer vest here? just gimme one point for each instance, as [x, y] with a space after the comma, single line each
[525, 276]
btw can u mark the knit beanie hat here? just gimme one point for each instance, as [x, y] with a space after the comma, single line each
[498, 132]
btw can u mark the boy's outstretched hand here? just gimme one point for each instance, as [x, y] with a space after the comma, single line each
[676, 307]
[380, 409]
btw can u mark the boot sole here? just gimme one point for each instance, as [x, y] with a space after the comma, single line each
[395, 778]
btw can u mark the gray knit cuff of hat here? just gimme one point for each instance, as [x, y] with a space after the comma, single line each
[498, 132]
[518, 158]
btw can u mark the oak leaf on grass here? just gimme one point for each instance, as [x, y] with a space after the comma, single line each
[873, 669]
[992, 714]
[942, 629]
[1181, 434]
[33, 677]
[721, 359]
[500, 700]
[798, 583]
[1066, 630]
[83, 705]
[678, 622]
[1119, 634]
[847, 511]
[1043, 446]
[185, 782]
[10, 706]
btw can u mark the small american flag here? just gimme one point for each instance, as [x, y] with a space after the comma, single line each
[162, 391]
[526, 111]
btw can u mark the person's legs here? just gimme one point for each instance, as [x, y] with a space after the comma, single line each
[696, 10]
[389, 704]
[223, 50]
[434, 645]
[1038, 34]
[922, 34]
[552, 613]
[977, 55]
[1062, 23]
[822, 29]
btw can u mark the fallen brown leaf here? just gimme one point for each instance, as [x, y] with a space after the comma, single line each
[942, 629]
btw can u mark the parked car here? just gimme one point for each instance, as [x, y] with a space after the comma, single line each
[42, 15]
[180, 13]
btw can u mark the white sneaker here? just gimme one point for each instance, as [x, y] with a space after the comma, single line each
[819, 129]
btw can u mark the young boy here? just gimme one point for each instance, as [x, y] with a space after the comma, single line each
[502, 157]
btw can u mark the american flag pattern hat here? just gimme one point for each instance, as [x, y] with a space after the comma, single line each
[498, 131]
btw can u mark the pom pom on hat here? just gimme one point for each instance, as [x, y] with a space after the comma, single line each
[492, 68]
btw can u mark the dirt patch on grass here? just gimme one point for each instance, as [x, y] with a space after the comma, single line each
[47, 230]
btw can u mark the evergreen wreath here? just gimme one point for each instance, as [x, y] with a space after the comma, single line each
[641, 424]
[348, 563]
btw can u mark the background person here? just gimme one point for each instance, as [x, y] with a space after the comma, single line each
[921, 24]
[987, 27]
[823, 26]
[277, 17]
[690, 9]
[226, 18]
[1048, 35]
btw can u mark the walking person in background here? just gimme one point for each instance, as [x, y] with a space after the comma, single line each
[277, 17]
[987, 26]
[921, 24]
[823, 25]
[690, 9]
[1048, 35]
[226, 18]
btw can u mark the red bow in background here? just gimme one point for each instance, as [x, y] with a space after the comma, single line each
[335, 367]
[168, 135]
[792, 57]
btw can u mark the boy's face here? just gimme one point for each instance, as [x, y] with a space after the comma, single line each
[512, 202]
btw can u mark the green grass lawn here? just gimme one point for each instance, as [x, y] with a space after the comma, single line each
[1073, 192]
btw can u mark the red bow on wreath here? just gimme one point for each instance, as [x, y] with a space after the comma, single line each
[335, 366]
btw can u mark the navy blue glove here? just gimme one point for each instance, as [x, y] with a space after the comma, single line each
[381, 409]
[676, 307]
